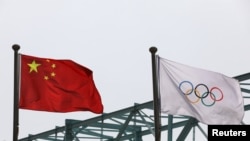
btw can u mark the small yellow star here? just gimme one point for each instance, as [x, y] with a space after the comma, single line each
[46, 77]
[33, 66]
[53, 74]
[53, 66]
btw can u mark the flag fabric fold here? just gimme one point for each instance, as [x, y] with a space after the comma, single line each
[55, 85]
[210, 97]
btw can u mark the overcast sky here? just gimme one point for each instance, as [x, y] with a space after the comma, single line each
[112, 38]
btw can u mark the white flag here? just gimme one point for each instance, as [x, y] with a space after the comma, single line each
[210, 97]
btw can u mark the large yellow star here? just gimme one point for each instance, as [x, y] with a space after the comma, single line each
[33, 66]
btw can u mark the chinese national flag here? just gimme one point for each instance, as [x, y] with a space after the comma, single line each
[57, 86]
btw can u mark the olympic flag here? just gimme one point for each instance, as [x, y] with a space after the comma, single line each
[210, 97]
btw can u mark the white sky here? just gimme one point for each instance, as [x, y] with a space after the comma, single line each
[113, 38]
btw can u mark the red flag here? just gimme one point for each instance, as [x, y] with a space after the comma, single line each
[57, 86]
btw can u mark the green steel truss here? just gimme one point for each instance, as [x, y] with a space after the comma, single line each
[130, 124]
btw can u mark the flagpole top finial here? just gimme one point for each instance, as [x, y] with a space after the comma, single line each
[153, 49]
[15, 47]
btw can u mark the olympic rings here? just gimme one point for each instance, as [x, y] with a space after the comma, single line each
[201, 92]
[190, 90]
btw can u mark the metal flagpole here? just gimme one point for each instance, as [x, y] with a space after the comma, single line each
[153, 50]
[16, 94]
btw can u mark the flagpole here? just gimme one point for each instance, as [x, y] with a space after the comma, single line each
[16, 94]
[153, 50]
